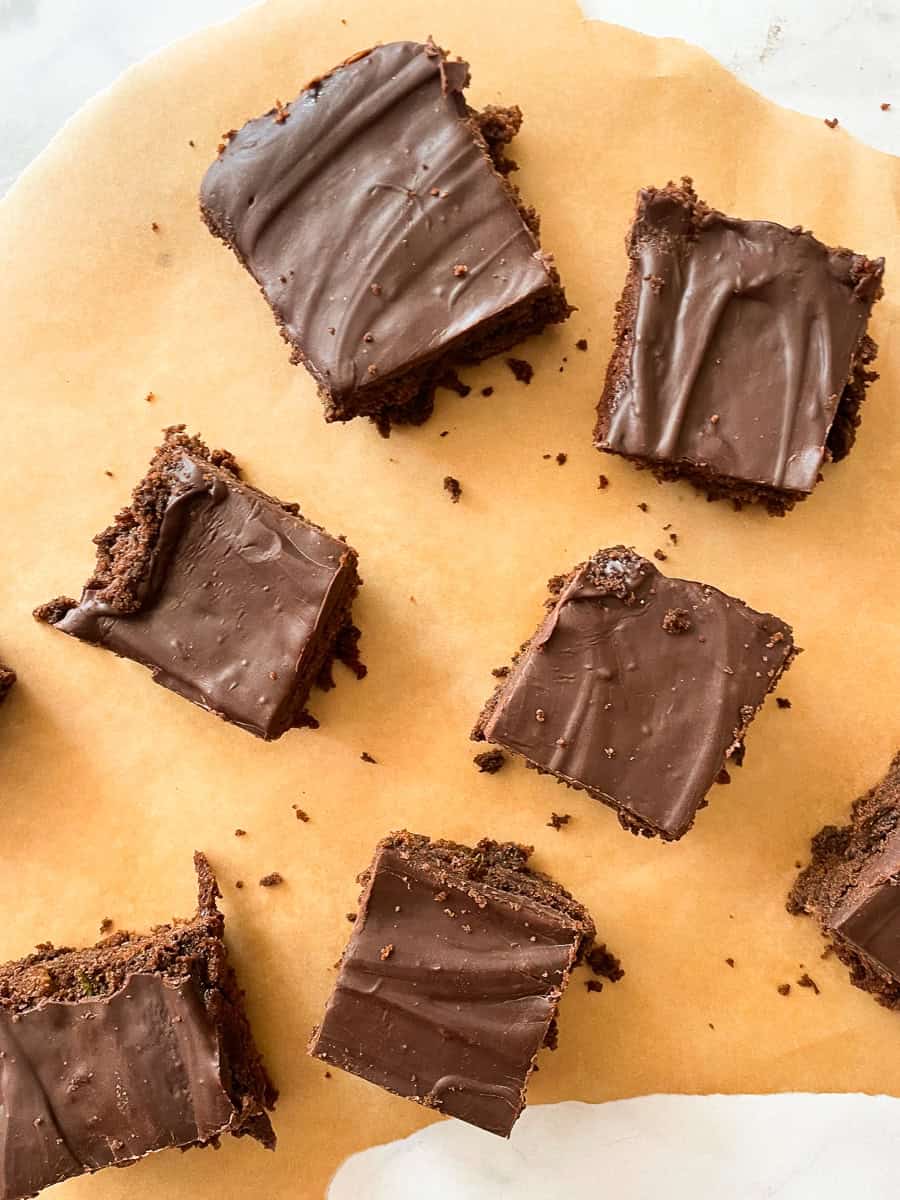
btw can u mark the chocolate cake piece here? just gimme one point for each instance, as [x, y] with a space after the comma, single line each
[230, 597]
[7, 679]
[134, 1045]
[450, 982]
[852, 888]
[376, 214]
[638, 688]
[741, 357]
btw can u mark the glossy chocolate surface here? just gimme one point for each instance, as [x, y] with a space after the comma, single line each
[372, 218]
[637, 687]
[101, 1082]
[237, 600]
[447, 989]
[741, 342]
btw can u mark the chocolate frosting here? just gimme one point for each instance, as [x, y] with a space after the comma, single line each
[446, 991]
[237, 599]
[331, 205]
[101, 1082]
[637, 687]
[742, 341]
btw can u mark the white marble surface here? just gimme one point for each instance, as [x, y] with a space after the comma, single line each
[653, 1148]
[825, 57]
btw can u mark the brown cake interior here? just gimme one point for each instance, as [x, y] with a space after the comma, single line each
[187, 948]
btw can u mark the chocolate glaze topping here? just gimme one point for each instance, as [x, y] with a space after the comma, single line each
[451, 979]
[616, 695]
[237, 602]
[373, 219]
[98, 1083]
[738, 339]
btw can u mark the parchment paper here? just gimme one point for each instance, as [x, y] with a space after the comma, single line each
[109, 783]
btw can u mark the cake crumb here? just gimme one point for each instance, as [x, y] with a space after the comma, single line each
[644, 506]
[490, 761]
[832, 122]
[106, 924]
[730, 961]
[386, 951]
[300, 813]
[603, 962]
[351, 917]
[109, 474]
[460, 270]
[562, 458]
[281, 113]
[150, 397]
[500, 672]
[885, 106]
[660, 555]
[521, 369]
[593, 985]
[782, 702]
[673, 538]
[453, 488]
[558, 820]
[272, 879]
[806, 981]
[367, 758]
[784, 989]
[581, 344]
[723, 777]
[487, 391]
[602, 483]
[327, 1075]
[677, 620]
[191, 142]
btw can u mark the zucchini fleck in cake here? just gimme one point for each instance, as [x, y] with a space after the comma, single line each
[852, 888]
[137, 1044]
[741, 357]
[638, 688]
[229, 596]
[450, 982]
[377, 216]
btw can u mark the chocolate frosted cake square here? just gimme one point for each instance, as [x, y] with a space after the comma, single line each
[450, 982]
[229, 596]
[137, 1044]
[638, 688]
[376, 214]
[852, 888]
[742, 356]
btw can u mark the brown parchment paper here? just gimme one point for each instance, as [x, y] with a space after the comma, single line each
[108, 783]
